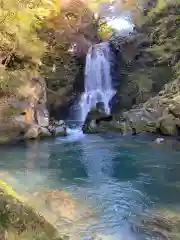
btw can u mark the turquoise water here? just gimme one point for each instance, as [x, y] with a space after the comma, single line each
[119, 176]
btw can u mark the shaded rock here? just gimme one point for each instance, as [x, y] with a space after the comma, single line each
[152, 127]
[94, 121]
[60, 131]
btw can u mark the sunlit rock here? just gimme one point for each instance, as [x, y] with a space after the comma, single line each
[20, 221]
[159, 140]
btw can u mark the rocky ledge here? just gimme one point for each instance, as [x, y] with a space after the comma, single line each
[160, 114]
[53, 129]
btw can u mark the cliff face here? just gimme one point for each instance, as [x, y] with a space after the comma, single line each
[20, 114]
[76, 30]
[41, 62]
[149, 82]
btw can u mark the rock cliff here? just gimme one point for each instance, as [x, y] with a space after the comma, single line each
[149, 77]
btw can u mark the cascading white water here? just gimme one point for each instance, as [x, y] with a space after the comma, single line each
[98, 84]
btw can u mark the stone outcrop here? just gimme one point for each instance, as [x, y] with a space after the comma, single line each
[98, 121]
[21, 115]
[27, 117]
[161, 113]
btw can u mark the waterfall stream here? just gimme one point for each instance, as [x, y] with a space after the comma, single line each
[97, 80]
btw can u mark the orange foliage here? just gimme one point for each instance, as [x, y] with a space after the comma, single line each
[28, 114]
[75, 24]
[128, 4]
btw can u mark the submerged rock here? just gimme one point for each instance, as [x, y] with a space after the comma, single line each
[20, 221]
[59, 204]
[160, 224]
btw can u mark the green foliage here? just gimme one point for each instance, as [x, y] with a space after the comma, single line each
[159, 6]
[105, 31]
[21, 48]
[163, 30]
[8, 190]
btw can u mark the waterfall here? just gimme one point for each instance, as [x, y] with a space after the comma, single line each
[97, 80]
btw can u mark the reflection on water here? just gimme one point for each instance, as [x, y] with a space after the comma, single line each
[117, 177]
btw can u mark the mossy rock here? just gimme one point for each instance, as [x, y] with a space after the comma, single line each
[114, 127]
[140, 126]
[11, 111]
[169, 124]
[4, 140]
[20, 221]
[61, 134]
[152, 127]
[109, 127]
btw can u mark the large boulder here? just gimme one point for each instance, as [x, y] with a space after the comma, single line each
[22, 115]
[97, 121]
[93, 119]
[169, 125]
